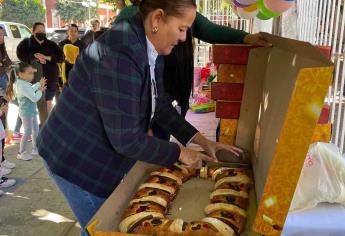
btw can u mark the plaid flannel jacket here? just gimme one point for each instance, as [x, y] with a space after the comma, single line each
[98, 130]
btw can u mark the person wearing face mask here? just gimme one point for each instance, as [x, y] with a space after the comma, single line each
[44, 55]
[101, 126]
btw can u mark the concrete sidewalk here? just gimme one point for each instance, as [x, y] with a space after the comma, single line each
[35, 207]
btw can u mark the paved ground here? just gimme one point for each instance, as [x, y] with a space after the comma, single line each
[35, 207]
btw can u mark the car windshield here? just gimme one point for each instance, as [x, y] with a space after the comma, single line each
[57, 35]
[61, 31]
[25, 32]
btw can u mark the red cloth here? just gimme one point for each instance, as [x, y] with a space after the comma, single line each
[204, 74]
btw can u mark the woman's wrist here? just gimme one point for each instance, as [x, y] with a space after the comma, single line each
[200, 140]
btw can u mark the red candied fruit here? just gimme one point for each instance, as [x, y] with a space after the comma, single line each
[146, 224]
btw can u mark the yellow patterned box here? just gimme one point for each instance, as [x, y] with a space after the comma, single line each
[228, 131]
[322, 133]
[228, 127]
[283, 97]
[230, 140]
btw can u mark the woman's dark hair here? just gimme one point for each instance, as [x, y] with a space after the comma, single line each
[21, 67]
[73, 26]
[179, 72]
[170, 7]
[36, 25]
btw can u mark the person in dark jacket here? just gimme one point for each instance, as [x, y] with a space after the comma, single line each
[100, 33]
[89, 37]
[5, 63]
[101, 126]
[73, 38]
[179, 65]
[45, 53]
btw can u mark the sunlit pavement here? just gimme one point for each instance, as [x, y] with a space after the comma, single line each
[35, 207]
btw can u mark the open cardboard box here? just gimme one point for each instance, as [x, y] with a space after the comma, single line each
[283, 96]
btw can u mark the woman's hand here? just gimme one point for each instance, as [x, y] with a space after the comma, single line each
[41, 58]
[211, 147]
[256, 39]
[193, 159]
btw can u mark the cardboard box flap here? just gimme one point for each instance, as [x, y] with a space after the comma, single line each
[283, 97]
[270, 82]
[252, 96]
[300, 48]
[108, 220]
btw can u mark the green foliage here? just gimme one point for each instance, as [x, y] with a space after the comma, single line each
[26, 12]
[74, 10]
[118, 4]
[212, 5]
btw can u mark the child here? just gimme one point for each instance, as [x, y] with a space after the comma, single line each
[17, 136]
[27, 96]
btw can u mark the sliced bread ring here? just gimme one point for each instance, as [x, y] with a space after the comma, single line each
[222, 227]
[125, 224]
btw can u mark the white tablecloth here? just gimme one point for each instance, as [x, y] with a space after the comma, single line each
[323, 220]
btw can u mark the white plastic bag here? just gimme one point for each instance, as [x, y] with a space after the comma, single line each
[322, 178]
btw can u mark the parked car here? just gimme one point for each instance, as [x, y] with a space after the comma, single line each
[59, 34]
[14, 34]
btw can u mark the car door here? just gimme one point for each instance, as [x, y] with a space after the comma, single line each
[12, 42]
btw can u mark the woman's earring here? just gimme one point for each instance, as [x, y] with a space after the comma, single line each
[155, 29]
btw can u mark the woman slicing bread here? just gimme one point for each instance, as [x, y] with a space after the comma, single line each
[99, 129]
[179, 64]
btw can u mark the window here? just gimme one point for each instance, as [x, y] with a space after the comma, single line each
[4, 27]
[24, 32]
[15, 31]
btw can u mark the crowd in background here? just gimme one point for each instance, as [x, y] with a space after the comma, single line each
[33, 83]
